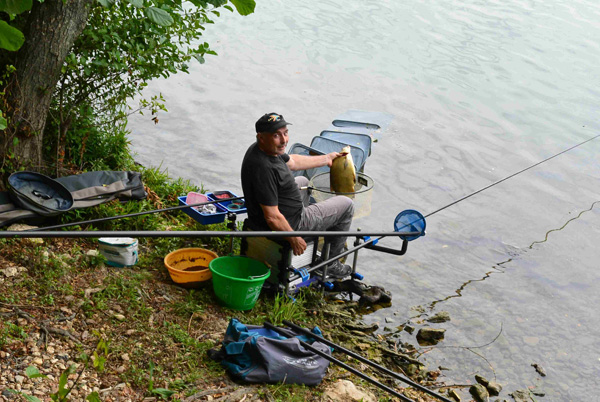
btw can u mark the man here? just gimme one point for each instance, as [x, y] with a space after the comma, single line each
[273, 197]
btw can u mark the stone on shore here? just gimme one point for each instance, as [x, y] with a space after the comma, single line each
[430, 335]
[442, 316]
[479, 393]
[345, 390]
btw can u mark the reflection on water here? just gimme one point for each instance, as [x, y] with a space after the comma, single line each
[478, 91]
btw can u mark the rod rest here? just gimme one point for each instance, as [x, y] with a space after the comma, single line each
[388, 250]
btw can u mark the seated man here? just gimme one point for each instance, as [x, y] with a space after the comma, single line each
[273, 197]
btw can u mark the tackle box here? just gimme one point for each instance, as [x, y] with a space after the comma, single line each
[236, 206]
[200, 217]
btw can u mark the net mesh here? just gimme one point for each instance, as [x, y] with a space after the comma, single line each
[363, 191]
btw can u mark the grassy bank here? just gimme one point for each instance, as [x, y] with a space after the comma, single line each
[73, 328]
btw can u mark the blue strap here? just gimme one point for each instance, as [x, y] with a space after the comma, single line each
[367, 238]
[303, 272]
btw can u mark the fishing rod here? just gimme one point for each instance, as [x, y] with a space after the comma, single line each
[341, 364]
[193, 234]
[510, 176]
[356, 356]
[110, 218]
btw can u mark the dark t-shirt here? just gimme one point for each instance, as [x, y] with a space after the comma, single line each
[268, 181]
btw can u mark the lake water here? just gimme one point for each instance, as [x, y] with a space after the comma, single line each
[478, 90]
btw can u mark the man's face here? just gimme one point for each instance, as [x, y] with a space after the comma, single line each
[274, 143]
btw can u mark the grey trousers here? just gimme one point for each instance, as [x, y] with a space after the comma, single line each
[333, 214]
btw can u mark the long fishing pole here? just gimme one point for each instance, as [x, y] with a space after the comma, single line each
[192, 233]
[110, 218]
[341, 364]
[356, 356]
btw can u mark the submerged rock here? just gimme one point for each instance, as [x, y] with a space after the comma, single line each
[539, 369]
[520, 395]
[454, 395]
[479, 393]
[494, 388]
[442, 316]
[430, 336]
[481, 380]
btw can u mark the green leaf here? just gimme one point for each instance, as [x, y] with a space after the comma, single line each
[3, 123]
[164, 393]
[10, 37]
[31, 371]
[159, 16]
[30, 398]
[93, 397]
[62, 382]
[244, 7]
[14, 7]
[106, 3]
[136, 3]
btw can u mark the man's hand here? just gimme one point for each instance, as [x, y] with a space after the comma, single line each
[331, 156]
[298, 244]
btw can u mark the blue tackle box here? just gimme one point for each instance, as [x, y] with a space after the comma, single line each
[200, 217]
[236, 206]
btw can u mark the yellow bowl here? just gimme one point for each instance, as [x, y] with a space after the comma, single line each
[188, 267]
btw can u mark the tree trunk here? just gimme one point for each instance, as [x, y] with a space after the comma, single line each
[50, 32]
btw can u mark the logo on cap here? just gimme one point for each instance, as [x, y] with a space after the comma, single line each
[274, 117]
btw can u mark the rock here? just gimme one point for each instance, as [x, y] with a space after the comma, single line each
[345, 390]
[412, 369]
[520, 395]
[389, 320]
[454, 395]
[409, 328]
[537, 391]
[20, 226]
[19, 379]
[428, 335]
[479, 393]
[119, 317]
[9, 272]
[481, 380]
[442, 316]
[494, 388]
[362, 327]
[92, 253]
[539, 369]
[125, 357]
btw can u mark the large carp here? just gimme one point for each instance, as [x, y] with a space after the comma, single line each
[342, 177]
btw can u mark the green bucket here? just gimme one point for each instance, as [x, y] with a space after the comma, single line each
[237, 280]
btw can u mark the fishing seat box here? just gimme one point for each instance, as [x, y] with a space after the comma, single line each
[279, 257]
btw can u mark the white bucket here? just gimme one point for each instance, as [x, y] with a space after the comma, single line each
[120, 251]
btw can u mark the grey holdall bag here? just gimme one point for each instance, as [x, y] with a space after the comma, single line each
[33, 195]
[256, 354]
[94, 188]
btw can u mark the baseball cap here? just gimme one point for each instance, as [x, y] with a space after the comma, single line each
[270, 122]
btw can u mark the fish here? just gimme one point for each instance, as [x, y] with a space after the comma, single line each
[343, 173]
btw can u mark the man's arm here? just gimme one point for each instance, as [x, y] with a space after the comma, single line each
[278, 223]
[302, 162]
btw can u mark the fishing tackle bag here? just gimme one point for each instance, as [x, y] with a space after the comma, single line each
[256, 354]
[93, 188]
[33, 195]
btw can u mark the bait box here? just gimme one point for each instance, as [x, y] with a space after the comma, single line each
[227, 205]
[204, 219]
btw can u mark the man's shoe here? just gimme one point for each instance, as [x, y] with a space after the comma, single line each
[337, 270]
